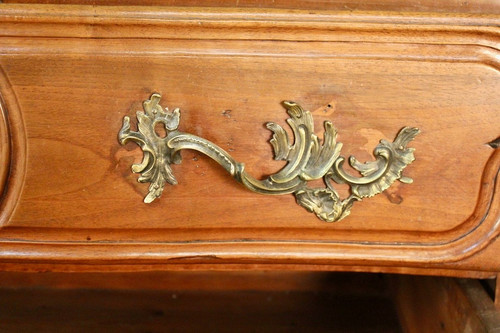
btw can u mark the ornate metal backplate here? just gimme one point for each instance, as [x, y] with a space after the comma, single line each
[307, 159]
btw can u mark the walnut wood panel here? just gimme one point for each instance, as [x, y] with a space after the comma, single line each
[74, 75]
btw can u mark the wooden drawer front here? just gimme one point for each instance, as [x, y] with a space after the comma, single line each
[68, 80]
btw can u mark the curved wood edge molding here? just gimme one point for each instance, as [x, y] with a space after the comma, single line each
[409, 257]
[12, 150]
[4, 148]
[307, 159]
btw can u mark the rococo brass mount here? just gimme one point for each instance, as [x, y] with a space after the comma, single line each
[306, 158]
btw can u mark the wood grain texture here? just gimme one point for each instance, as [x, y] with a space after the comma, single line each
[454, 6]
[497, 294]
[429, 304]
[4, 148]
[280, 280]
[12, 150]
[75, 71]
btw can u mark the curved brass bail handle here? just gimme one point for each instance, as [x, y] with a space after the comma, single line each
[307, 159]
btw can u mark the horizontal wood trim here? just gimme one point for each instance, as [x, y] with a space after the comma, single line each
[269, 24]
[453, 6]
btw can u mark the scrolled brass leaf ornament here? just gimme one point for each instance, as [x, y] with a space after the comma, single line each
[307, 159]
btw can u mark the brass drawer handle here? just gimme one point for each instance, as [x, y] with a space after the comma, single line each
[306, 158]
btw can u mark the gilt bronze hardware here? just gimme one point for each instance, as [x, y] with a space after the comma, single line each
[307, 159]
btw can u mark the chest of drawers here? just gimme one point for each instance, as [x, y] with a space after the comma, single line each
[70, 74]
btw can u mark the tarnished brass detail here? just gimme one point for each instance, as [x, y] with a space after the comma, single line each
[307, 159]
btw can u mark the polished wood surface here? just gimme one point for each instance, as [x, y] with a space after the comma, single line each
[71, 73]
[448, 6]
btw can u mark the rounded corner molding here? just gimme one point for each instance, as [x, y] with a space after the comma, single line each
[12, 150]
[5, 154]
[307, 159]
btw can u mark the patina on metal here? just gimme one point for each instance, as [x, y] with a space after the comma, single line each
[307, 159]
